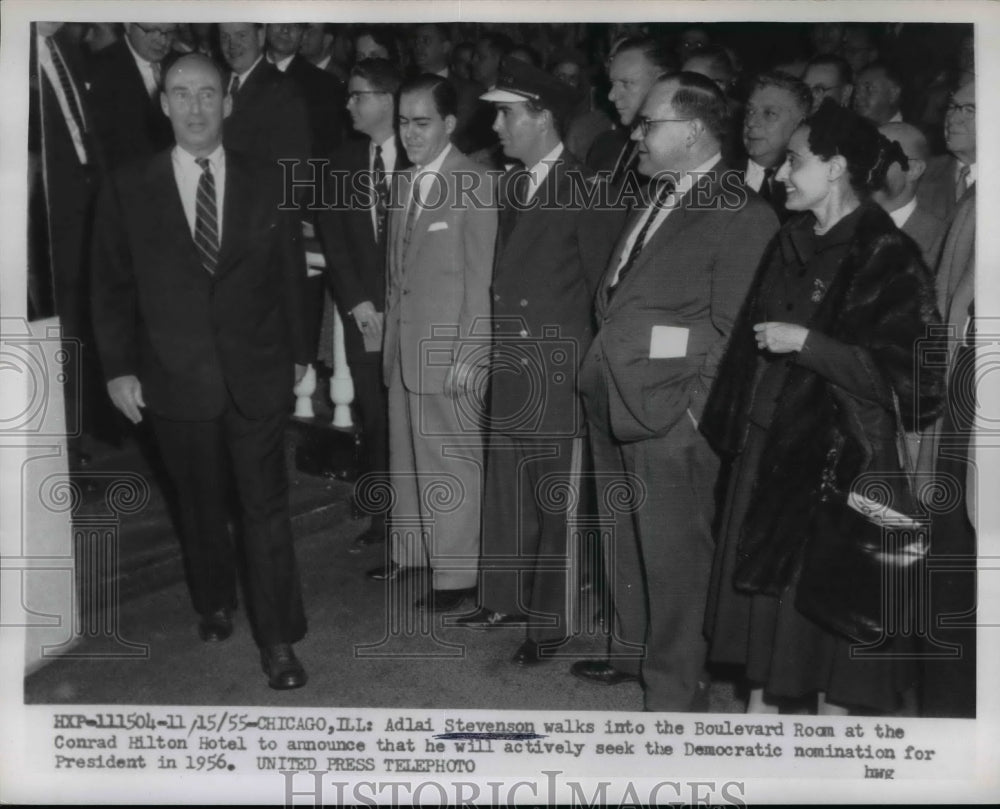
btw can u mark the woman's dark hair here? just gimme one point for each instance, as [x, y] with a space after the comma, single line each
[836, 130]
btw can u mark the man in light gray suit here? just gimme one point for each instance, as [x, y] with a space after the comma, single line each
[441, 240]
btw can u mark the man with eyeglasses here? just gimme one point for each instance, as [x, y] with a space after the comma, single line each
[269, 118]
[665, 308]
[354, 236]
[323, 94]
[778, 103]
[829, 76]
[898, 194]
[951, 178]
[124, 93]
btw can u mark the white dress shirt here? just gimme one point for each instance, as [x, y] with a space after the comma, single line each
[243, 76]
[661, 214]
[754, 175]
[538, 172]
[281, 64]
[146, 70]
[187, 173]
[46, 64]
[900, 215]
[431, 189]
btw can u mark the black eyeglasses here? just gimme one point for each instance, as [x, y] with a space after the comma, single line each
[645, 124]
[965, 110]
[355, 95]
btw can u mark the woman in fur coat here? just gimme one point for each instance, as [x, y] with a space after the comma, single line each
[805, 397]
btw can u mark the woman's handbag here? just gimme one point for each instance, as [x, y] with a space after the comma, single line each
[861, 568]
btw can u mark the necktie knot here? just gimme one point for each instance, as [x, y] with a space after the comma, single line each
[204, 163]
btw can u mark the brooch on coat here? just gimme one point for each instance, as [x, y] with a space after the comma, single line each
[819, 290]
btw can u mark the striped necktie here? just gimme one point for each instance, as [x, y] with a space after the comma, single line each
[66, 84]
[381, 193]
[640, 239]
[206, 219]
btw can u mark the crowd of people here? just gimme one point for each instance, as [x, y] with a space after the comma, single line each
[719, 268]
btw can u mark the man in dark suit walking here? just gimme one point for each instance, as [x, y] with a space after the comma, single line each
[542, 326]
[124, 93]
[65, 166]
[197, 299]
[354, 233]
[665, 308]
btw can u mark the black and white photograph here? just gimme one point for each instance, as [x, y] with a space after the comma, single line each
[499, 402]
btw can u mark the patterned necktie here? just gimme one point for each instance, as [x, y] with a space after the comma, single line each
[766, 188]
[206, 220]
[157, 75]
[234, 86]
[411, 216]
[624, 162]
[640, 239]
[963, 182]
[381, 193]
[67, 86]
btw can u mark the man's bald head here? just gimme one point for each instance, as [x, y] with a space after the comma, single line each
[911, 139]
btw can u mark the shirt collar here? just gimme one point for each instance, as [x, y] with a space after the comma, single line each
[547, 161]
[281, 64]
[135, 55]
[688, 180]
[435, 164]
[243, 76]
[900, 215]
[216, 159]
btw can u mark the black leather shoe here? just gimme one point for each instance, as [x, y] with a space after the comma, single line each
[483, 618]
[444, 600]
[282, 667]
[529, 654]
[216, 626]
[601, 672]
[389, 572]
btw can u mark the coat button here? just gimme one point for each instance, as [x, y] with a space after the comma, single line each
[496, 297]
[524, 302]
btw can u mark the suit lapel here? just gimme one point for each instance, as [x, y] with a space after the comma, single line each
[164, 199]
[675, 223]
[528, 225]
[239, 198]
[426, 216]
[397, 221]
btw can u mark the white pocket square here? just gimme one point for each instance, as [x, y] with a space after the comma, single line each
[437, 226]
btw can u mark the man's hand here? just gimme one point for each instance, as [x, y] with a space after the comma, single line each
[780, 338]
[368, 320]
[126, 395]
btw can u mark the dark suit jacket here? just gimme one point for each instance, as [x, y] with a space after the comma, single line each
[61, 196]
[269, 118]
[542, 299]
[927, 231]
[936, 192]
[355, 262]
[606, 149]
[326, 102]
[194, 339]
[693, 273]
[130, 124]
